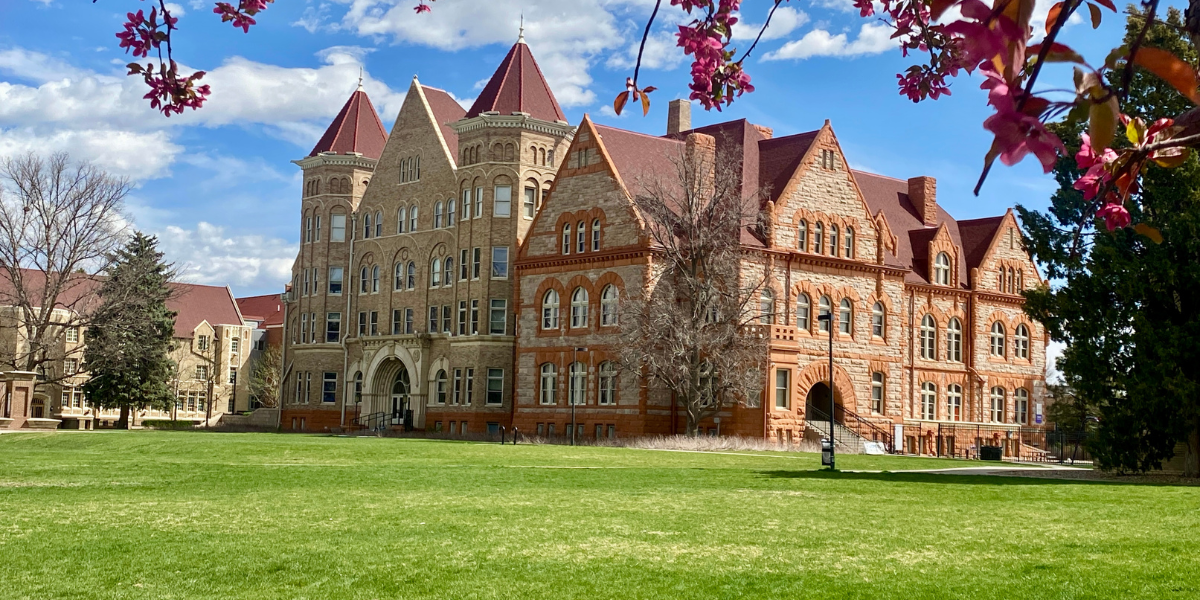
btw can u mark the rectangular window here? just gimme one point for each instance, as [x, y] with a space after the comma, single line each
[397, 321]
[337, 228]
[446, 324]
[307, 230]
[478, 202]
[478, 253]
[470, 387]
[466, 204]
[877, 393]
[433, 319]
[316, 335]
[306, 280]
[233, 375]
[457, 397]
[500, 263]
[495, 386]
[362, 324]
[530, 199]
[409, 318]
[462, 317]
[329, 388]
[498, 321]
[374, 322]
[333, 327]
[307, 387]
[781, 387]
[464, 266]
[317, 230]
[202, 343]
[474, 317]
[304, 328]
[335, 281]
[235, 344]
[502, 201]
[73, 335]
[201, 372]
[70, 366]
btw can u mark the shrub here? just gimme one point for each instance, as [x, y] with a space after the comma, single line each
[168, 424]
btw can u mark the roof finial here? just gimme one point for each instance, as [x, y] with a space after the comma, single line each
[360, 77]
[521, 35]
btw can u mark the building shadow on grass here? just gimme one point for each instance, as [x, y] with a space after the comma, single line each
[978, 479]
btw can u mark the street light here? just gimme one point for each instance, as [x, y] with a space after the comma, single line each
[828, 317]
[571, 388]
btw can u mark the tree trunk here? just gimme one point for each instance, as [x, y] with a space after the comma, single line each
[123, 421]
[1191, 457]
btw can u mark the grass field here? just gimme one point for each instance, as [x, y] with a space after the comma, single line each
[165, 515]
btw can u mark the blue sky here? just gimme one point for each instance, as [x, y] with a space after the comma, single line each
[217, 185]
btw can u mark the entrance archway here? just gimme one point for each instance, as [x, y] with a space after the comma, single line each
[818, 403]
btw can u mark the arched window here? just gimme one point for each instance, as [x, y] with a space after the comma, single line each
[849, 242]
[954, 402]
[997, 412]
[450, 213]
[358, 381]
[1000, 280]
[366, 225]
[824, 307]
[608, 306]
[374, 279]
[766, 307]
[549, 384]
[803, 312]
[998, 339]
[581, 234]
[845, 317]
[364, 280]
[878, 320]
[954, 340]
[378, 223]
[1021, 413]
[550, 310]
[1011, 276]
[1021, 342]
[412, 275]
[608, 384]
[877, 393]
[566, 238]
[577, 383]
[401, 219]
[398, 281]
[941, 269]
[448, 271]
[437, 215]
[802, 236]
[596, 235]
[441, 386]
[833, 239]
[928, 401]
[928, 338]
[435, 273]
[1020, 280]
[579, 308]
[818, 239]
[412, 219]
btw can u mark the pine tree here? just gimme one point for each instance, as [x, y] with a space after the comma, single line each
[1128, 307]
[130, 340]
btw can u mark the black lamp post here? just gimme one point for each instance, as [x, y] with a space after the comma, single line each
[571, 387]
[828, 319]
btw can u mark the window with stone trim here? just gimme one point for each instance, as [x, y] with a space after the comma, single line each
[1021, 412]
[378, 224]
[548, 384]
[451, 212]
[877, 393]
[502, 201]
[803, 314]
[997, 405]
[608, 306]
[928, 338]
[833, 240]
[448, 271]
[595, 235]
[566, 238]
[824, 307]
[928, 401]
[941, 269]
[437, 215]
[818, 239]
[782, 388]
[550, 308]
[439, 382]
[954, 402]
[412, 218]
[577, 384]
[878, 320]
[849, 242]
[579, 308]
[495, 386]
[435, 273]
[607, 385]
[846, 317]
[997, 338]
[401, 219]
[766, 307]
[802, 236]
[1021, 342]
[954, 340]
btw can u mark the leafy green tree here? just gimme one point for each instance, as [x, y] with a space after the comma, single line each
[1128, 304]
[130, 340]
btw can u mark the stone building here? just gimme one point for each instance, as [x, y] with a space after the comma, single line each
[211, 352]
[430, 256]
[928, 324]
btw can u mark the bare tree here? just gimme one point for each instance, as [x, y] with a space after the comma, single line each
[58, 222]
[265, 377]
[694, 330]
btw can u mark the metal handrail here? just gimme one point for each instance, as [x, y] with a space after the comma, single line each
[816, 416]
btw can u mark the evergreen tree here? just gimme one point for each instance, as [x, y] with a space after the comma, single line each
[132, 335]
[1128, 306]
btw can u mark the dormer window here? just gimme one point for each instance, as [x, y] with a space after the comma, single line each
[941, 269]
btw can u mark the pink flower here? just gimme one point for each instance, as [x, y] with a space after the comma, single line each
[422, 8]
[865, 8]
[1114, 215]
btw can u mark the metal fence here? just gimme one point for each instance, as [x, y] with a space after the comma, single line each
[971, 441]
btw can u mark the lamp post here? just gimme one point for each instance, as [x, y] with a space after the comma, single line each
[571, 388]
[828, 318]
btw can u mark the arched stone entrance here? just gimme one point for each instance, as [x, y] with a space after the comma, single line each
[816, 404]
[813, 384]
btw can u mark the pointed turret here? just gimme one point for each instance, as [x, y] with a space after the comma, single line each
[355, 129]
[518, 86]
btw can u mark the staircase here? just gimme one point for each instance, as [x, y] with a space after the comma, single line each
[847, 439]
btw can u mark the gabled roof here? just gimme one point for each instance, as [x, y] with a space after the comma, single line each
[446, 110]
[977, 236]
[638, 157]
[196, 304]
[518, 86]
[778, 159]
[78, 293]
[267, 310]
[355, 129]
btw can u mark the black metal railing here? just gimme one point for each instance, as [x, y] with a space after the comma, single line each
[851, 429]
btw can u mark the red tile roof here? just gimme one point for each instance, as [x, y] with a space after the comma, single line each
[446, 110]
[355, 129]
[640, 158]
[518, 86]
[198, 303]
[268, 309]
[79, 293]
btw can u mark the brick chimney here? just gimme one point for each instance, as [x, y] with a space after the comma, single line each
[679, 116]
[922, 192]
[700, 151]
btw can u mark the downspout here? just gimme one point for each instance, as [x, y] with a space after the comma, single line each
[349, 291]
[912, 372]
[284, 368]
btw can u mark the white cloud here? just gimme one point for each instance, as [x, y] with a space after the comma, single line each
[206, 255]
[137, 155]
[313, 18]
[1053, 351]
[662, 52]
[785, 21]
[873, 38]
[175, 9]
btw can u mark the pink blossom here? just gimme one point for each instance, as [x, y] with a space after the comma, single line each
[865, 8]
[1115, 215]
[422, 8]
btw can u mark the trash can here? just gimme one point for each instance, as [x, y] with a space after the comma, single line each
[990, 452]
[826, 452]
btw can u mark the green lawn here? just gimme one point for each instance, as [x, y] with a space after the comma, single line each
[161, 515]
